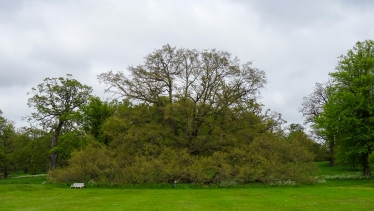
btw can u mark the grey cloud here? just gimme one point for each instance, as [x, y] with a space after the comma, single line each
[7, 7]
[295, 42]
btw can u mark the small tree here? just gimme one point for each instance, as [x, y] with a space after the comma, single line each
[57, 101]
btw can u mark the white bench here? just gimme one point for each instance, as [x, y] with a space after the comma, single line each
[78, 185]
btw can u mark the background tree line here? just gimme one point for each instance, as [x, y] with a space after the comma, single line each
[188, 115]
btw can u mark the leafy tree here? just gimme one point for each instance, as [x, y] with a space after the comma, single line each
[32, 148]
[187, 115]
[94, 116]
[7, 135]
[57, 101]
[350, 108]
[189, 89]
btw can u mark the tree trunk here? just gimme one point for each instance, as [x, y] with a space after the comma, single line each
[365, 163]
[367, 171]
[53, 161]
[332, 152]
[54, 155]
[6, 172]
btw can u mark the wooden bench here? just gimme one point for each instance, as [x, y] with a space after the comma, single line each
[78, 185]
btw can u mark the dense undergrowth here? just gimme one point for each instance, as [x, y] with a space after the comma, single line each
[268, 160]
[330, 175]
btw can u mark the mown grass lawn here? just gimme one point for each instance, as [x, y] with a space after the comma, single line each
[356, 195]
[31, 194]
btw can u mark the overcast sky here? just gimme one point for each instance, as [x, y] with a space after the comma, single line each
[295, 42]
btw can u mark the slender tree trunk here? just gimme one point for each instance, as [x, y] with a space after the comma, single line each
[366, 167]
[53, 161]
[5, 144]
[332, 152]
[6, 172]
[54, 155]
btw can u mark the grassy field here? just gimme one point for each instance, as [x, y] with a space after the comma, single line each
[337, 194]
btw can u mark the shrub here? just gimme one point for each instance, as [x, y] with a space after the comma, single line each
[266, 159]
[91, 163]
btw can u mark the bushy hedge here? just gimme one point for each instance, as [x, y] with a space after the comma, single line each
[266, 159]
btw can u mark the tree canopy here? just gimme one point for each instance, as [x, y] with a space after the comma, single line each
[211, 77]
[191, 89]
[187, 115]
[349, 110]
[57, 101]
[7, 132]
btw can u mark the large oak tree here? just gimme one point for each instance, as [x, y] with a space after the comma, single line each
[191, 88]
[57, 101]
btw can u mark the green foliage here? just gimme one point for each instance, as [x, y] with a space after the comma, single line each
[193, 93]
[7, 145]
[37, 151]
[282, 160]
[90, 163]
[348, 113]
[316, 149]
[188, 116]
[94, 116]
[31, 150]
[267, 159]
[68, 142]
[371, 160]
[312, 107]
[296, 128]
[57, 102]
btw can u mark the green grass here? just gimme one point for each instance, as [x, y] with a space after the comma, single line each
[47, 197]
[325, 169]
[30, 194]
